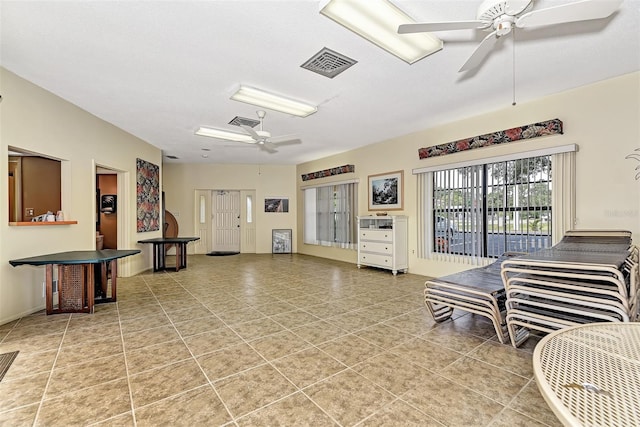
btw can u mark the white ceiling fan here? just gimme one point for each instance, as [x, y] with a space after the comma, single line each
[264, 140]
[501, 16]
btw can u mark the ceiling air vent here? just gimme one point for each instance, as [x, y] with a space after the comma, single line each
[237, 120]
[171, 157]
[328, 63]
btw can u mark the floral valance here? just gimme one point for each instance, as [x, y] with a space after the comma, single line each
[550, 127]
[328, 172]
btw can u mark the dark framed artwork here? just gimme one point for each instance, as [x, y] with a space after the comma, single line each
[276, 204]
[108, 203]
[385, 191]
[281, 241]
[147, 196]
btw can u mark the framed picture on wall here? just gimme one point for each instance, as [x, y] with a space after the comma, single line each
[385, 191]
[276, 204]
[108, 203]
[281, 241]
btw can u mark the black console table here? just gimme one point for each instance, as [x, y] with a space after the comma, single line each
[160, 251]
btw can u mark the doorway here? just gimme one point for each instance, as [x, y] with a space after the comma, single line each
[106, 208]
[225, 221]
[225, 209]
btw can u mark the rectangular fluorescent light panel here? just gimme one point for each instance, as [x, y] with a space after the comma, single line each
[378, 22]
[268, 100]
[223, 134]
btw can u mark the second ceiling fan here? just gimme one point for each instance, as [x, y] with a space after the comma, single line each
[501, 16]
[264, 140]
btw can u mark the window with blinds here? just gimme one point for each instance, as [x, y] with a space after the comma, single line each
[330, 214]
[487, 209]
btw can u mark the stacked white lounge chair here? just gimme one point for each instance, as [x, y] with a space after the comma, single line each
[479, 290]
[590, 276]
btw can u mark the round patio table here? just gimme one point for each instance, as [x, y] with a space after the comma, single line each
[589, 374]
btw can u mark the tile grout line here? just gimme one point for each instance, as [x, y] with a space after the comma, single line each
[209, 383]
[126, 365]
[53, 366]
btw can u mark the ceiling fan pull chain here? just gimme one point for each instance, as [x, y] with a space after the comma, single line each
[513, 73]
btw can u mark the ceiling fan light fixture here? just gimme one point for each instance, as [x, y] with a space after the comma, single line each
[253, 96]
[378, 22]
[223, 134]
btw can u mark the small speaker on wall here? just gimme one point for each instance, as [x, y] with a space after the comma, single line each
[108, 203]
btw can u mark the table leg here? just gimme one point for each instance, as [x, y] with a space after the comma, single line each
[49, 287]
[161, 255]
[178, 256]
[104, 277]
[156, 257]
[114, 274]
[91, 285]
[184, 255]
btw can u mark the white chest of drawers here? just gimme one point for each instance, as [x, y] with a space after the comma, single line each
[382, 242]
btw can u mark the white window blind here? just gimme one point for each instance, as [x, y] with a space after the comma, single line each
[330, 213]
[463, 229]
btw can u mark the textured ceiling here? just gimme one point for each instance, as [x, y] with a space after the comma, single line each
[159, 70]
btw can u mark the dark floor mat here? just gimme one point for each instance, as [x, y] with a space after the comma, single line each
[222, 253]
[6, 359]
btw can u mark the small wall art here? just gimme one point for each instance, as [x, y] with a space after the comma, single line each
[385, 191]
[276, 204]
[108, 203]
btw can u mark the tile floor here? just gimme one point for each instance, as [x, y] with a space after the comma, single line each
[268, 340]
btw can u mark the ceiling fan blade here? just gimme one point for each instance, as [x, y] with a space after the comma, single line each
[251, 132]
[481, 52]
[268, 147]
[284, 140]
[287, 142]
[584, 10]
[427, 27]
[514, 7]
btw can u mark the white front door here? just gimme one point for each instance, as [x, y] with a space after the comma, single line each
[225, 220]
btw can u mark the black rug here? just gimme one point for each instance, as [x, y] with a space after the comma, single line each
[222, 253]
[6, 360]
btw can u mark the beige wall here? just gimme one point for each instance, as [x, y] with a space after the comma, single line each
[180, 182]
[603, 119]
[36, 120]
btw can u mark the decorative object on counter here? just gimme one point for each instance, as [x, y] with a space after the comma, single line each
[535, 130]
[45, 217]
[635, 156]
[60, 216]
[385, 191]
[148, 196]
[328, 172]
